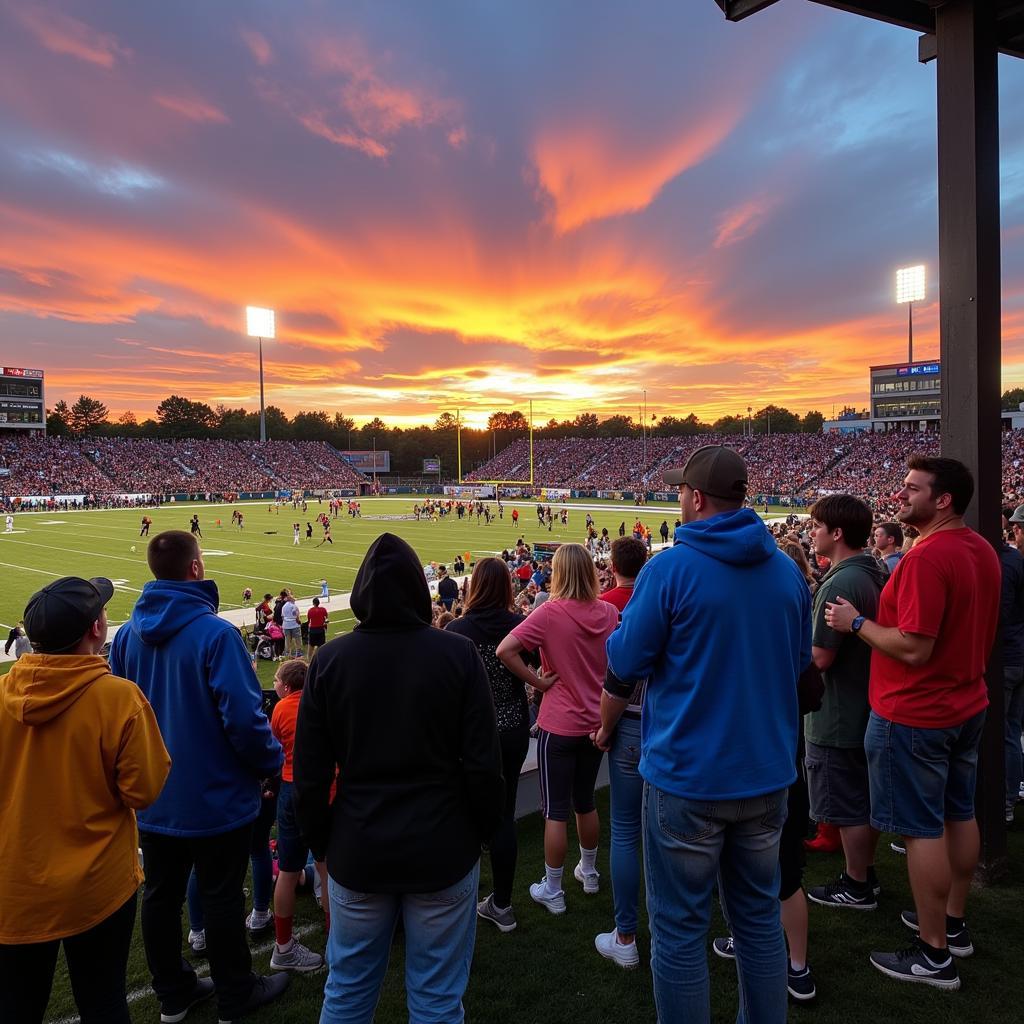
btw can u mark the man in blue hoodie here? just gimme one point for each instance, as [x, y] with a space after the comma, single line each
[721, 625]
[194, 670]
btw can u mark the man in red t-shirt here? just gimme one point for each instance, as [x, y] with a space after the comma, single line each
[316, 622]
[936, 624]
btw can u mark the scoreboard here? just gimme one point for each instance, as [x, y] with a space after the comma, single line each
[22, 400]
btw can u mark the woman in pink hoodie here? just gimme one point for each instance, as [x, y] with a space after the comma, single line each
[570, 629]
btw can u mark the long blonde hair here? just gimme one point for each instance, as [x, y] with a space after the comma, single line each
[573, 574]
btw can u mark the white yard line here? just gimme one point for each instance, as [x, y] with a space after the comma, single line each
[201, 971]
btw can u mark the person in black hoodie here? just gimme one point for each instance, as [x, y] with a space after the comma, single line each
[487, 620]
[403, 714]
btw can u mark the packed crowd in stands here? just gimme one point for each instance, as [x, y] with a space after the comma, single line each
[108, 465]
[390, 760]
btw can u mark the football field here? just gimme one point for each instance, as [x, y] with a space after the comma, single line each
[45, 546]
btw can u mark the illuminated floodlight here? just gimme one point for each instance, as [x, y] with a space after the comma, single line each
[260, 322]
[910, 284]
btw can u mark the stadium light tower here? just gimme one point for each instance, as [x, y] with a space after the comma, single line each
[910, 289]
[260, 324]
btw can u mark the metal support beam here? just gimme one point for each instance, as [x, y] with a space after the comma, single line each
[968, 151]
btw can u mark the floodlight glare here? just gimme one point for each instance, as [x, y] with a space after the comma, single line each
[910, 284]
[260, 322]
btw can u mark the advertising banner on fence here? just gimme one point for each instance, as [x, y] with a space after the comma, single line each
[555, 494]
[469, 491]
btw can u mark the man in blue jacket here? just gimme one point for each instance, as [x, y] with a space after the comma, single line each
[194, 670]
[721, 625]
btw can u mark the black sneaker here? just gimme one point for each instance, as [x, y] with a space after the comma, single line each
[898, 846]
[266, 990]
[844, 892]
[800, 984]
[173, 1012]
[913, 964]
[724, 948]
[958, 938]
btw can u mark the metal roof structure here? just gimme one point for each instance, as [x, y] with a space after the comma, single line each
[918, 15]
[965, 38]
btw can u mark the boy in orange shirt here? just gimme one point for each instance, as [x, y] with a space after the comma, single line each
[292, 850]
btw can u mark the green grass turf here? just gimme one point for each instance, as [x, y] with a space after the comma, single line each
[99, 543]
[547, 971]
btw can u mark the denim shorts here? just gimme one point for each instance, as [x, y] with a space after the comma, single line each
[837, 782]
[292, 849]
[921, 778]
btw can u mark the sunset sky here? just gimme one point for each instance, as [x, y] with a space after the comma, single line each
[465, 205]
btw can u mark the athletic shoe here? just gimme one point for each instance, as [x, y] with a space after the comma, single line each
[1009, 816]
[898, 847]
[266, 990]
[171, 1012]
[259, 920]
[725, 948]
[800, 984]
[827, 839]
[503, 920]
[913, 964]
[590, 880]
[844, 892]
[958, 941]
[555, 902]
[197, 940]
[298, 959]
[608, 945]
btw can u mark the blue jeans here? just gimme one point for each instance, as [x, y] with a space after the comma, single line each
[689, 844]
[1013, 687]
[440, 933]
[627, 791]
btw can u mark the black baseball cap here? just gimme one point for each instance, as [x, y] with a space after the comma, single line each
[60, 614]
[713, 470]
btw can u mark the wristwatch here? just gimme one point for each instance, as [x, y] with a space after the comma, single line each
[857, 623]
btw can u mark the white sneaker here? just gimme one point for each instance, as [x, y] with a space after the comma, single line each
[590, 880]
[259, 920]
[197, 940]
[608, 945]
[555, 902]
[298, 959]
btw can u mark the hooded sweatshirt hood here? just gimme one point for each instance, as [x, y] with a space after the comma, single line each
[167, 607]
[737, 538]
[390, 591]
[39, 687]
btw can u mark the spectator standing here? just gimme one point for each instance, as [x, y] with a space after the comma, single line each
[888, 539]
[80, 752]
[19, 640]
[1011, 616]
[316, 625]
[724, 605]
[404, 713]
[195, 671]
[837, 768]
[447, 590]
[936, 623]
[487, 620]
[291, 627]
[619, 734]
[570, 629]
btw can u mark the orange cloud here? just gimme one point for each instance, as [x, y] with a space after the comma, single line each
[588, 172]
[60, 33]
[258, 46]
[193, 108]
[742, 221]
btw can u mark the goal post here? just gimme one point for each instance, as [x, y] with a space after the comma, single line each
[496, 483]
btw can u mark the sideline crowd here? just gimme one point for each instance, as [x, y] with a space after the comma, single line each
[392, 757]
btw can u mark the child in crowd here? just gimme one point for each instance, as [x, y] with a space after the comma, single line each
[289, 954]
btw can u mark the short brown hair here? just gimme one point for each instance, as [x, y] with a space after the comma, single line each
[293, 673]
[895, 531]
[491, 585]
[628, 556]
[847, 513]
[951, 477]
[170, 554]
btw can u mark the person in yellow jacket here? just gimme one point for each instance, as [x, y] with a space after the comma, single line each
[80, 751]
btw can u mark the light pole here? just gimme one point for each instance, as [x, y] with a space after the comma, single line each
[910, 288]
[260, 324]
[750, 421]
